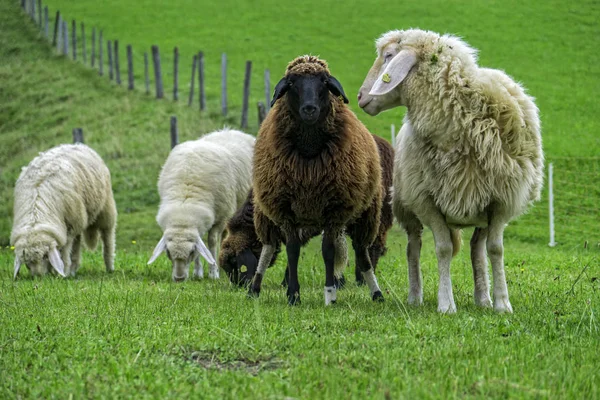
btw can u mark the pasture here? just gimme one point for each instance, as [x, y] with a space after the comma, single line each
[134, 333]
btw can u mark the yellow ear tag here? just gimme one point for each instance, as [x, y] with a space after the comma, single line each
[243, 268]
[341, 98]
[386, 78]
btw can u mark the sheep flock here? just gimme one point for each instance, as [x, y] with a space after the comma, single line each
[468, 155]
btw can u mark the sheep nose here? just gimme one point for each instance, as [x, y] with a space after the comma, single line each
[179, 278]
[359, 95]
[309, 109]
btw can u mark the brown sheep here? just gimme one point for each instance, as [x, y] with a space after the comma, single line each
[241, 249]
[316, 167]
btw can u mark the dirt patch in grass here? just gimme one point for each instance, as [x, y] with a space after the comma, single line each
[253, 367]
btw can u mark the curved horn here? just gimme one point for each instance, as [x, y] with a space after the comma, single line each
[160, 247]
[18, 264]
[204, 252]
[56, 261]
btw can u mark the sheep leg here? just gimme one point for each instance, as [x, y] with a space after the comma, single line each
[292, 247]
[364, 263]
[76, 255]
[480, 271]
[413, 256]
[108, 248]
[286, 276]
[495, 249]
[266, 256]
[214, 239]
[198, 270]
[329, 253]
[360, 280]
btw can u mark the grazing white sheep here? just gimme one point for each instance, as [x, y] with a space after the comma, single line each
[63, 194]
[201, 185]
[469, 153]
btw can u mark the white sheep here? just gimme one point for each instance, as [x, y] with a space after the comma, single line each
[469, 153]
[63, 194]
[201, 185]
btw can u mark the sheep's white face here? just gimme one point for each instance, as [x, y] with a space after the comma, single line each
[371, 104]
[182, 252]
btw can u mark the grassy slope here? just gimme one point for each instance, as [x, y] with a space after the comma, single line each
[135, 333]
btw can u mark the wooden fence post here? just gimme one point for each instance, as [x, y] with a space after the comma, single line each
[117, 65]
[246, 95]
[201, 80]
[78, 135]
[157, 72]
[93, 57]
[32, 10]
[146, 73]
[267, 90]
[65, 33]
[130, 67]
[40, 14]
[83, 52]
[224, 84]
[110, 60]
[46, 22]
[192, 82]
[100, 54]
[175, 74]
[174, 132]
[56, 25]
[262, 113]
[74, 38]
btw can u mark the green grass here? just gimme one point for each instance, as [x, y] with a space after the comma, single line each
[135, 334]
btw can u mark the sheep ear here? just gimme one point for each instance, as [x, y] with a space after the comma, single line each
[248, 259]
[160, 247]
[394, 73]
[17, 266]
[204, 252]
[336, 88]
[281, 89]
[56, 261]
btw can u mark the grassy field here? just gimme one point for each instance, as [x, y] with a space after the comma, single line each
[135, 334]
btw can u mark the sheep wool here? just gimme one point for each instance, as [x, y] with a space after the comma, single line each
[63, 196]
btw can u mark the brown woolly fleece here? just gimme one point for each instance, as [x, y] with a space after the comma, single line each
[340, 186]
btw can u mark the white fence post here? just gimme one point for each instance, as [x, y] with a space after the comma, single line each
[551, 206]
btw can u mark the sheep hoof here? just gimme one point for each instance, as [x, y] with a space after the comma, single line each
[503, 307]
[378, 297]
[450, 309]
[483, 301]
[415, 299]
[294, 299]
[253, 292]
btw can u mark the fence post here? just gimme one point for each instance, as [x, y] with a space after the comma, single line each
[46, 21]
[100, 54]
[224, 84]
[24, 5]
[157, 72]
[40, 14]
[59, 39]
[130, 67]
[110, 60]
[83, 43]
[65, 33]
[267, 90]
[78, 135]
[262, 113]
[175, 74]
[93, 56]
[551, 205]
[56, 24]
[174, 133]
[147, 78]
[74, 38]
[246, 95]
[117, 66]
[191, 99]
[202, 95]
[32, 10]
[393, 136]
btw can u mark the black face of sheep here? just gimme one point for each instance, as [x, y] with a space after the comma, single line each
[308, 95]
[241, 268]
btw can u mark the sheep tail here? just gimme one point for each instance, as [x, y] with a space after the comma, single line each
[90, 237]
[456, 235]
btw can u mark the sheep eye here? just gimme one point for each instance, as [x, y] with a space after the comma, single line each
[388, 57]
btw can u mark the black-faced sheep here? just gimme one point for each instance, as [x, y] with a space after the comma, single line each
[63, 197]
[316, 167]
[241, 249]
[201, 185]
[469, 153]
